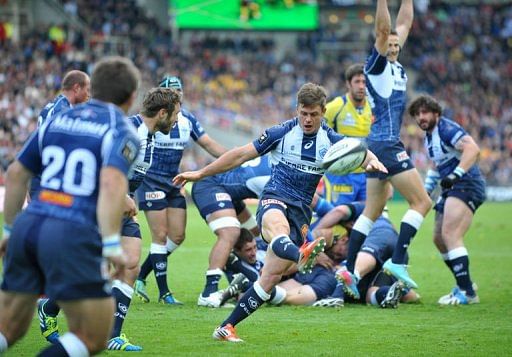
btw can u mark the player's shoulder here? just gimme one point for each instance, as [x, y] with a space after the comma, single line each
[448, 127]
[136, 120]
[335, 103]
[187, 114]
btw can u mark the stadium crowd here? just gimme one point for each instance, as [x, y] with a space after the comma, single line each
[242, 85]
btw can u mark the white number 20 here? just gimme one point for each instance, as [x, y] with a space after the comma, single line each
[79, 175]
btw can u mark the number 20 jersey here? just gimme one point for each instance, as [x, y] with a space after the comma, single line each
[69, 151]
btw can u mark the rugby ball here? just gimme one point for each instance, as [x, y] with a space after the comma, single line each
[345, 156]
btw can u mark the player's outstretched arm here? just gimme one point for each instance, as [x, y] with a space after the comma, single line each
[372, 164]
[211, 146]
[229, 160]
[382, 27]
[404, 20]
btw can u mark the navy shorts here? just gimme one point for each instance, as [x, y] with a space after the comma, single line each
[380, 243]
[61, 259]
[210, 197]
[130, 227]
[468, 190]
[321, 280]
[393, 156]
[152, 197]
[297, 213]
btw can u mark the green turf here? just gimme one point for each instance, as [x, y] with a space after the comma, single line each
[424, 329]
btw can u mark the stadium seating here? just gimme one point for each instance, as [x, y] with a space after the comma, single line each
[241, 83]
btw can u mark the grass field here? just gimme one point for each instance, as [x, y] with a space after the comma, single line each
[421, 330]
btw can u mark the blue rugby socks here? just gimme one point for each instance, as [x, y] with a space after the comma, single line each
[411, 222]
[122, 293]
[248, 303]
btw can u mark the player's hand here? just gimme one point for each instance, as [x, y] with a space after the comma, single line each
[375, 165]
[130, 209]
[184, 177]
[323, 260]
[118, 264]
[450, 180]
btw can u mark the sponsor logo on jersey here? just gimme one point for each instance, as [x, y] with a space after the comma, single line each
[263, 138]
[343, 188]
[308, 145]
[273, 201]
[56, 198]
[322, 152]
[222, 196]
[129, 151]
[154, 195]
[302, 167]
[402, 156]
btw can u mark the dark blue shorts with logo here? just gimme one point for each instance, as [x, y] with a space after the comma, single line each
[393, 156]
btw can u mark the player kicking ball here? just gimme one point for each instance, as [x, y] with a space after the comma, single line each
[297, 147]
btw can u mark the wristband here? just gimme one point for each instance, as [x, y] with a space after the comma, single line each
[459, 171]
[7, 229]
[112, 245]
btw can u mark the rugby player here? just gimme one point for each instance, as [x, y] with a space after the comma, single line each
[386, 82]
[58, 245]
[455, 155]
[296, 147]
[163, 204]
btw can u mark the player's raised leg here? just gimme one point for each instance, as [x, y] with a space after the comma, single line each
[410, 186]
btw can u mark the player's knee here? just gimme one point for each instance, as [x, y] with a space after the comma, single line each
[95, 343]
[178, 238]
[159, 236]
[423, 206]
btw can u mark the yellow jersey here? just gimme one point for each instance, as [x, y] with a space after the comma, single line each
[346, 119]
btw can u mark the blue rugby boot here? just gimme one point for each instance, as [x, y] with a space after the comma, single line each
[458, 297]
[399, 271]
[349, 281]
[168, 299]
[140, 290]
[121, 343]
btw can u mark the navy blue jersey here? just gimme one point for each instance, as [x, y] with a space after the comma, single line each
[69, 151]
[145, 157]
[440, 146]
[386, 89]
[57, 105]
[248, 180]
[296, 158]
[169, 148]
